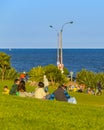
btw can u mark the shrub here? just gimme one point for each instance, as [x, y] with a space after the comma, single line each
[36, 73]
[11, 74]
[53, 74]
[89, 78]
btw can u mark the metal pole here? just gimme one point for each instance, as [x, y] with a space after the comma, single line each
[58, 61]
[60, 47]
[61, 57]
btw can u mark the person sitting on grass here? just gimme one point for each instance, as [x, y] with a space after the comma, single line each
[61, 94]
[6, 90]
[13, 90]
[40, 92]
[21, 90]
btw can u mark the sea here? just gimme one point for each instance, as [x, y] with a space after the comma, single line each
[73, 59]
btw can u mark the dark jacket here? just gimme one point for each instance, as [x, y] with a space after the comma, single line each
[60, 95]
[13, 89]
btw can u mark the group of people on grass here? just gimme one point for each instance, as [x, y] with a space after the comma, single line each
[41, 92]
[73, 86]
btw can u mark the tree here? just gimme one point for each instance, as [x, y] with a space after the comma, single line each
[4, 63]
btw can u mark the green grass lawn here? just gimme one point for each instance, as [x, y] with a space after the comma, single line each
[17, 113]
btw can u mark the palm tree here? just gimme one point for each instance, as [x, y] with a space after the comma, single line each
[4, 63]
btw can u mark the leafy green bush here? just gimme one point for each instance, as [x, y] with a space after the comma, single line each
[11, 74]
[66, 72]
[36, 73]
[89, 78]
[53, 74]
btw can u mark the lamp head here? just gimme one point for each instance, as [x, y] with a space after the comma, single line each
[51, 26]
[71, 22]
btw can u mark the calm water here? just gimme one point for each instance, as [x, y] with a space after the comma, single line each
[73, 59]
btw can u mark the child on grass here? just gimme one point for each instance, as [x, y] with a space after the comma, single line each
[6, 90]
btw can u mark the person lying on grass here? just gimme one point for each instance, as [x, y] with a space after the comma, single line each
[61, 94]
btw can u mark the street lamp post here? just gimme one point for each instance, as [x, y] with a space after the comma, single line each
[60, 46]
[59, 49]
[58, 62]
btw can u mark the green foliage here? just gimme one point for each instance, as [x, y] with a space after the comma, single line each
[11, 74]
[85, 77]
[5, 83]
[66, 72]
[53, 74]
[89, 78]
[100, 77]
[4, 63]
[36, 73]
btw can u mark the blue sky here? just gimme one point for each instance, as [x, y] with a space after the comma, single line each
[25, 23]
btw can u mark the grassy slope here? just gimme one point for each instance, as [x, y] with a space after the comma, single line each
[18, 113]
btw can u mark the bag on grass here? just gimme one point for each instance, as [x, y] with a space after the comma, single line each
[72, 100]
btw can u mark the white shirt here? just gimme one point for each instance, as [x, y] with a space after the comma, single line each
[40, 93]
[45, 80]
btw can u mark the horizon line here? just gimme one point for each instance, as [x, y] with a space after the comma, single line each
[43, 48]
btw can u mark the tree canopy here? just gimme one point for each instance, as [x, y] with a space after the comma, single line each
[4, 63]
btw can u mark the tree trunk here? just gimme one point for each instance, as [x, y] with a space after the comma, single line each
[3, 73]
